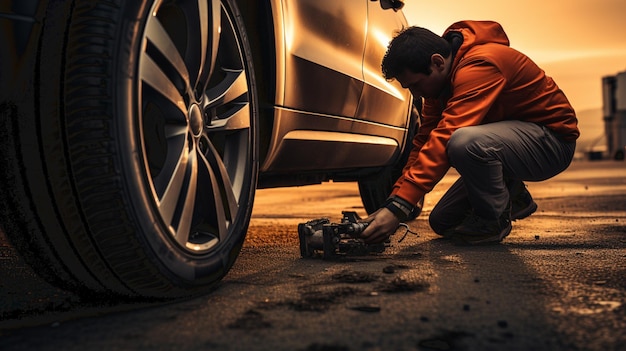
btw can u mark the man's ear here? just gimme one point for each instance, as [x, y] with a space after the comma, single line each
[437, 62]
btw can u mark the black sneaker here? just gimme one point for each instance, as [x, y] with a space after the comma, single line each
[475, 230]
[522, 204]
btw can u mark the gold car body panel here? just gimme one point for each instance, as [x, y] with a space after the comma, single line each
[323, 42]
[382, 101]
[320, 85]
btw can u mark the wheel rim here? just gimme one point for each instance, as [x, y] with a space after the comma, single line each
[195, 121]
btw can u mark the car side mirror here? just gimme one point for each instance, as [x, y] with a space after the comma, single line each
[391, 4]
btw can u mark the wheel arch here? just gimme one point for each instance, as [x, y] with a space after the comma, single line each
[259, 18]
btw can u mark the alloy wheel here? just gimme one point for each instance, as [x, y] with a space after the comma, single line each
[195, 121]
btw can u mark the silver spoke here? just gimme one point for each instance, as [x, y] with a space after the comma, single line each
[239, 119]
[184, 225]
[169, 201]
[221, 221]
[233, 86]
[157, 35]
[152, 75]
[176, 139]
[216, 164]
[214, 39]
[203, 37]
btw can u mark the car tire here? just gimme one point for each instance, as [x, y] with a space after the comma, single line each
[375, 188]
[135, 173]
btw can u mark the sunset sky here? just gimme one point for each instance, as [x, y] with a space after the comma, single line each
[577, 42]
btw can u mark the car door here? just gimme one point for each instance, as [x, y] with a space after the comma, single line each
[324, 43]
[382, 101]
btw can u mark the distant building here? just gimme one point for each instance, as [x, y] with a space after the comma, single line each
[614, 114]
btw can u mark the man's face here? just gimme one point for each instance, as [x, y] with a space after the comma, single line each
[427, 86]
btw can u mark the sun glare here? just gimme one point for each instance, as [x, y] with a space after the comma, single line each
[571, 38]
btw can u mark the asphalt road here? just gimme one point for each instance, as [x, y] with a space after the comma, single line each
[558, 282]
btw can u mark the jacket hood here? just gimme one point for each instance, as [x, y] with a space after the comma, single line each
[476, 33]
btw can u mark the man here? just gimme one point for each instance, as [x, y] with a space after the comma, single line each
[491, 113]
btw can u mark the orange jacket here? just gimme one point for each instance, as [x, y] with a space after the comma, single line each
[489, 82]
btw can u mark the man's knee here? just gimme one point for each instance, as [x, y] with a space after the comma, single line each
[462, 143]
[442, 219]
[442, 226]
[436, 223]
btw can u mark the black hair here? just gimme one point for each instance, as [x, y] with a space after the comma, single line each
[412, 49]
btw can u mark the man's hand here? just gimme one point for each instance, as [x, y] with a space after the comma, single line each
[382, 224]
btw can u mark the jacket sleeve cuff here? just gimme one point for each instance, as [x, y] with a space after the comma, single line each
[400, 208]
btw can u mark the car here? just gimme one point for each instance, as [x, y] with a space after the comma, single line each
[134, 134]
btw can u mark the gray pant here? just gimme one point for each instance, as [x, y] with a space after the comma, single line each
[491, 159]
